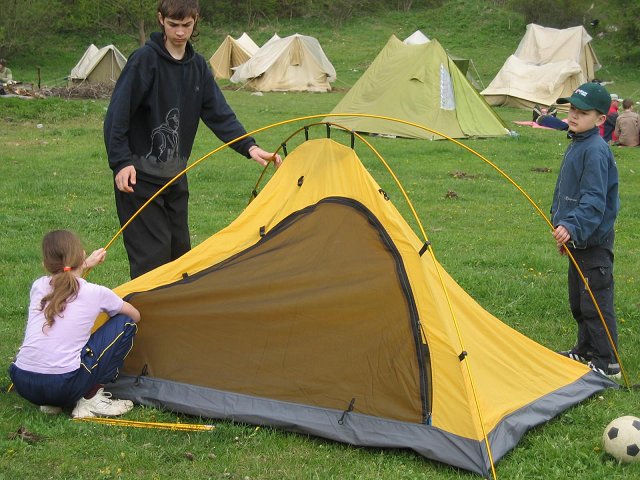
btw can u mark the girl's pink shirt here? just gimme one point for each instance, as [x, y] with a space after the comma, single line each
[57, 349]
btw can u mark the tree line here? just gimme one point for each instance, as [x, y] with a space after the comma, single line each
[23, 22]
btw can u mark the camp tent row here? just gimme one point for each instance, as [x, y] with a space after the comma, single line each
[318, 310]
[418, 82]
[414, 80]
[293, 63]
[549, 63]
[98, 66]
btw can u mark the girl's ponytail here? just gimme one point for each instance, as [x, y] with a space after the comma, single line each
[62, 253]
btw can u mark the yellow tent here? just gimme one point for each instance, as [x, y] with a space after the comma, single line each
[320, 311]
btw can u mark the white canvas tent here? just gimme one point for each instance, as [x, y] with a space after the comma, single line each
[232, 53]
[293, 63]
[98, 65]
[272, 39]
[549, 63]
[416, 38]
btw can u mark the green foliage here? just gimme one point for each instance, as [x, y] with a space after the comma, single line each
[627, 34]
[557, 13]
[23, 22]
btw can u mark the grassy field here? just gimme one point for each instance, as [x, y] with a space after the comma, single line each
[54, 175]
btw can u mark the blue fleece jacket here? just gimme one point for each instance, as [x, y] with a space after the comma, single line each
[155, 110]
[585, 200]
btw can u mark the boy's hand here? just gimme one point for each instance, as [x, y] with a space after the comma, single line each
[562, 236]
[125, 179]
[263, 157]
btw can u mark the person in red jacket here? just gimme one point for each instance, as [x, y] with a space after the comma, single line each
[607, 129]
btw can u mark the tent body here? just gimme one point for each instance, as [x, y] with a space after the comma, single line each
[318, 311]
[232, 53]
[98, 66]
[272, 39]
[420, 84]
[294, 63]
[549, 63]
[417, 38]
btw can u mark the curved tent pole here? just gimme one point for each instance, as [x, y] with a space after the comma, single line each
[504, 175]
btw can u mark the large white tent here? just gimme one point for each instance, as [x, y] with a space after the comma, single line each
[293, 63]
[549, 63]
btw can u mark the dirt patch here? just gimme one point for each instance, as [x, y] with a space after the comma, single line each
[97, 91]
[83, 90]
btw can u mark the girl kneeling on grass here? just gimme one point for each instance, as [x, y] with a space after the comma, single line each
[60, 363]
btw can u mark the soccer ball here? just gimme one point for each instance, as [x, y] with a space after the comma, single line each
[621, 439]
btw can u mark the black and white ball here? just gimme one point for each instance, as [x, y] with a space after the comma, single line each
[621, 439]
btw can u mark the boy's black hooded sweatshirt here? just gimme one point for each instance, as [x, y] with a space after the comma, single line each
[155, 110]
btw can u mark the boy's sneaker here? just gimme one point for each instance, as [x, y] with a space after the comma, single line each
[101, 405]
[613, 371]
[578, 357]
[537, 111]
[50, 409]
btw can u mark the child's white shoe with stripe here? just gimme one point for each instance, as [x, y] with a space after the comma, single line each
[101, 405]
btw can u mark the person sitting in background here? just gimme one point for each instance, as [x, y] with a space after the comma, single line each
[628, 126]
[609, 125]
[6, 76]
[5, 72]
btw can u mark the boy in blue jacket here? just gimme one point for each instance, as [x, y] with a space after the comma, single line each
[165, 89]
[584, 210]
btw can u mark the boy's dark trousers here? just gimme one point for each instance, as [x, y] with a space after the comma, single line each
[160, 233]
[596, 264]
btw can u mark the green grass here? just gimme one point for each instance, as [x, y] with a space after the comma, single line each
[488, 238]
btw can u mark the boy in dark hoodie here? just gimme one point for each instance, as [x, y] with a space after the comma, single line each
[151, 123]
[584, 210]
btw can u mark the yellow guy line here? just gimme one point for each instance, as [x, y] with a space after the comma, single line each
[132, 423]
